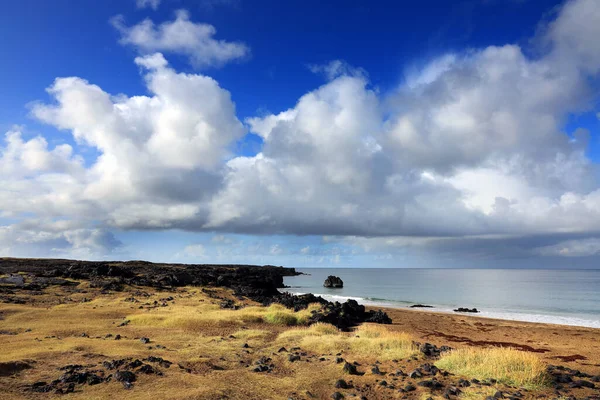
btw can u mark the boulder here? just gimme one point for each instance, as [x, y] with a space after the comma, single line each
[333, 282]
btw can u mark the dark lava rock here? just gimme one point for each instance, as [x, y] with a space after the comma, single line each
[452, 391]
[466, 310]
[148, 369]
[410, 388]
[333, 282]
[582, 383]
[161, 361]
[282, 350]
[464, 383]
[383, 383]
[124, 376]
[293, 357]
[431, 350]
[378, 317]
[94, 379]
[431, 384]
[41, 387]
[342, 384]
[339, 360]
[375, 370]
[415, 374]
[348, 314]
[145, 340]
[420, 306]
[429, 369]
[337, 396]
[351, 369]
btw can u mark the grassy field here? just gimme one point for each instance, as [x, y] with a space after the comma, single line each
[214, 351]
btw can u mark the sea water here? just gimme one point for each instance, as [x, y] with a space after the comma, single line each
[568, 297]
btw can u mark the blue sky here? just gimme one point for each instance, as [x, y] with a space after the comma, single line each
[305, 133]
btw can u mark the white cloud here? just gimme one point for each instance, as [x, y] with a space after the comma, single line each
[148, 3]
[470, 147]
[181, 36]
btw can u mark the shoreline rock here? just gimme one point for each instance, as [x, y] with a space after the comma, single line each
[334, 282]
[466, 310]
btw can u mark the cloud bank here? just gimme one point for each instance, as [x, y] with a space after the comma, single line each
[470, 148]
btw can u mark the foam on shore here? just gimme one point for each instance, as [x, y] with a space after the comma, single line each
[495, 314]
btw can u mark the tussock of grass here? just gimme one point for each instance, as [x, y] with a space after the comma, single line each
[506, 365]
[249, 334]
[369, 341]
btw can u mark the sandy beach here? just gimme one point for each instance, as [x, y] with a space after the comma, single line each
[575, 347]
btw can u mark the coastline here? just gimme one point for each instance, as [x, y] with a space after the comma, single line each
[503, 315]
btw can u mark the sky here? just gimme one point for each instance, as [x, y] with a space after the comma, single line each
[352, 133]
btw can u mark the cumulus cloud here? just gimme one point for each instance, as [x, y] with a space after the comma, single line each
[469, 152]
[181, 36]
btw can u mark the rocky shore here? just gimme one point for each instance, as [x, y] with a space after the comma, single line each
[257, 283]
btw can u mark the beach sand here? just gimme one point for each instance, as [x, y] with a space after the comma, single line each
[571, 346]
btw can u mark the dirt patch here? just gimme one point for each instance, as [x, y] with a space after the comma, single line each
[574, 357]
[470, 342]
[13, 367]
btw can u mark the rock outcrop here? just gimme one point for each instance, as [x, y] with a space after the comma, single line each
[333, 282]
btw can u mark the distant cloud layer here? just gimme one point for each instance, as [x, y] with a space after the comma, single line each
[470, 148]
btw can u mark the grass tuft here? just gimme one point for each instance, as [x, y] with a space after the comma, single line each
[369, 341]
[506, 365]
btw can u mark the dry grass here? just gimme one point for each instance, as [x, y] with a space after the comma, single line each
[506, 365]
[369, 341]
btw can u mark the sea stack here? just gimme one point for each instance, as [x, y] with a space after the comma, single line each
[333, 282]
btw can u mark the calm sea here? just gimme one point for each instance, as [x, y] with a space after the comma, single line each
[569, 297]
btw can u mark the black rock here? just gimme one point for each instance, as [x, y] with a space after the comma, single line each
[420, 306]
[464, 383]
[337, 396]
[333, 282]
[431, 384]
[293, 357]
[466, 310]
[351, 369]
[94, 379]
[375, 370]
[342, 384]
[124, 376]
[410, 388]
[145, 340]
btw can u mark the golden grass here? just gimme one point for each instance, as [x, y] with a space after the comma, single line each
[199, 318]
[506, 365]
[368, 341]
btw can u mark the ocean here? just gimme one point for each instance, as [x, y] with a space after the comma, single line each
[567, 297]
